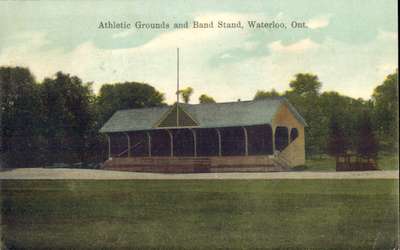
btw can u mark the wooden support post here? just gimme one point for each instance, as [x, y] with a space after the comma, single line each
[171, 137]
[194, 142]
[109, 146]
[129, 144]
[246, 143]
[273, 140]
[148, 143]
[219, 142]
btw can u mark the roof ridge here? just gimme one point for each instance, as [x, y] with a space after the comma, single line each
[198, 104]
[246, 101]
[144, 108]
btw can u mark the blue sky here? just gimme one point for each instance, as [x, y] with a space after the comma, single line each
[350, 45]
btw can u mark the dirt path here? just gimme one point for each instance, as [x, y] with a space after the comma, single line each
[55, 174]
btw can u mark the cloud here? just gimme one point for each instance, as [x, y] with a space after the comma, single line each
[30, 54]
[386, 35]
[351, 69]
[318, 22]
[226, 56]
[248, 46]
[298, 47]
[153, 62]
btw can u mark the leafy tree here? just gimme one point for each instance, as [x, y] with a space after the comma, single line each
[347, 110]
[305, 84]
[261, 94]
[20, 113]
[367, 144]
[304, 95]
[186, 93]
[337, 142]
[58, 120]
[206, 99]
[128, 95]
[68, 117]
[386, 113]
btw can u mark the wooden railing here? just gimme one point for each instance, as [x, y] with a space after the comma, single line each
[122, 153]
[286, 162]
[282, 159]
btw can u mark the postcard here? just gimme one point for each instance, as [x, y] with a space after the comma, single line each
[199, 124]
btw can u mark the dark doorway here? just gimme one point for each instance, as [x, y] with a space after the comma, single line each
[281, 138]
[260, 139]
[294, 133]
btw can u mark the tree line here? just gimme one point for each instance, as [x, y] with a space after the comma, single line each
[337, 123]
[57, 120]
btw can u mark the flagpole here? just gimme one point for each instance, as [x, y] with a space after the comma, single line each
[177, 87]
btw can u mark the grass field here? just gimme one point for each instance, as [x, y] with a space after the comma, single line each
[200, 214]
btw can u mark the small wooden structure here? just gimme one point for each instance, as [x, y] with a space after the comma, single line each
[353, 162]
[263, 135]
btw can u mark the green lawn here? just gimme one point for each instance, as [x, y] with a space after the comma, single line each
[333, 214]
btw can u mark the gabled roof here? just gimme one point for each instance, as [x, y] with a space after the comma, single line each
[210, 115]
[177, 117]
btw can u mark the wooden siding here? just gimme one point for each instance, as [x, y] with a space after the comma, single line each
[295, 152]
